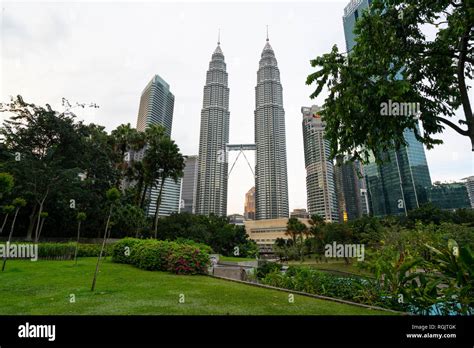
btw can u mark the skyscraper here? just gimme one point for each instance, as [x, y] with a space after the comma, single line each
[214, 136]
[271, 182]
[469, 182]
[400, 183]
[156, 107]
[320, 182]
[351, 189]
[188, 189]
[249, 206]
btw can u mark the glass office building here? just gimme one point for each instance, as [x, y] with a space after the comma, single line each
[400, 183]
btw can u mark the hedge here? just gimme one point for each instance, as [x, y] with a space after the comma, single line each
[156, 255]
[65, 251]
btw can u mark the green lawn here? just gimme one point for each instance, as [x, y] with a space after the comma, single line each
[340, 266]
[44, 287]
[236, 259]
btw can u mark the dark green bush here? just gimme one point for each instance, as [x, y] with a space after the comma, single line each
[125, 250]
[152, 255]
[267, 267]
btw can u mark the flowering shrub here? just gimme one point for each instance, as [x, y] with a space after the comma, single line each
[157, 255]
[187, 259]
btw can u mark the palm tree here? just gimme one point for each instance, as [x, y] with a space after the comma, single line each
[295, 228]
[18, 203]
[171, 166]
[81, 216]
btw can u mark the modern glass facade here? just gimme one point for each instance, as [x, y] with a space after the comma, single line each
[400, 183]
[449, 196]
[188, 189]
[351, 189]
[156, 107]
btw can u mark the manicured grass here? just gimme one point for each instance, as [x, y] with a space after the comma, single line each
[236, 259]
[340, 266]
[44, 288]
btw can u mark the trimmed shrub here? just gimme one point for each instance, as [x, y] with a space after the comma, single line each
[203, 247]
[65, 251]
[120, 253]
[152, 255]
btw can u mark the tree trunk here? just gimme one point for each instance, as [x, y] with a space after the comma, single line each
[10, 238]
[31, 225]
[102, 249]
[4, 223]
[158, 202]
[41, 229]
[139, 190]
[142, 202]
[39, 214]
[77, 242]
[466, 104]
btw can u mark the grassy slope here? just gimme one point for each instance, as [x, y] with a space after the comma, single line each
[43, 288]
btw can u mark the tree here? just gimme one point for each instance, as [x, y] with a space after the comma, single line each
[81, 216]
[7, 210]
[43, 145]
[113, 195]
[43, 217]
[163, 161]
[17, 203]
[295, 228]
[6, 184]
[394, 60]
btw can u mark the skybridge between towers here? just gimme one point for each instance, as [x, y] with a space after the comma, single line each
[241, 148]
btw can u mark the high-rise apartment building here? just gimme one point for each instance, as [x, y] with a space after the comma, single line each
[400, 183]
[271, 182]
[188, 188]
[156, 107]
[211, 195]
[249, 206]
[320, 181]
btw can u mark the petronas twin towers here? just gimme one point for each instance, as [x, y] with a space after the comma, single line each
[271, 183]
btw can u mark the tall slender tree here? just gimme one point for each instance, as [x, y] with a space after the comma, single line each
[113, 195]
[17, 203]
[81, 216]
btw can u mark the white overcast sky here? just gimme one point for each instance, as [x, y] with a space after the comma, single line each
[107, 52]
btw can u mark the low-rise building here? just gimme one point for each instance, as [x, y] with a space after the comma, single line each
[265, 232]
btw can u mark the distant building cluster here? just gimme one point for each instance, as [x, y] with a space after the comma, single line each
[337, 190]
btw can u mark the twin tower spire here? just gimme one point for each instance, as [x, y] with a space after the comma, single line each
[271, 184]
